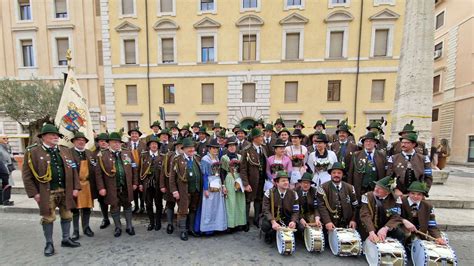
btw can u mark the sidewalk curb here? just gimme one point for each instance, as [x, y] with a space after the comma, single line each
[97, 213]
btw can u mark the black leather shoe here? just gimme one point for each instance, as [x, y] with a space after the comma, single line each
[75, 235]
[191, 232]
[130, 231]
[169, 229]
[8, 203]
[246, 227]
[104, 224]
[49, 249]
[142, 210]
[184, 236]
[88, 232]
[158, 226]
[150, 227]
[118, 232]
[69, 243]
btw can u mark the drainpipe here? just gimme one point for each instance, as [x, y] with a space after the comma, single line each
[358, 62]
[147, 62]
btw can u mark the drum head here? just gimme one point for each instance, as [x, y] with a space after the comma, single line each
[418, 254]
[333, 242]
[280, 242]
[308, 239]
[371, 252]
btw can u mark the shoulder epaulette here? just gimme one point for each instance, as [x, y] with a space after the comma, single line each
[31, 146]
[320, 190]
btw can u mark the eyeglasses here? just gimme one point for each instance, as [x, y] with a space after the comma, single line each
[5, 138]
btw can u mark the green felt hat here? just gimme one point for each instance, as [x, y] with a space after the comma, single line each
[377, 125]
[370, 135]
[187, 126]
[153, 139]
[279, 121]
[385, 183]
[165, 131]
[344, 126]
[336, 166]
[417, 186]
[213, 144]
[307, 177]
[281, 174]
[49, 128]
[413, 137]
[115, 136]
[203, 130]
[269, 127]
[188, 142]
[255, 132]
[102, 136]
[216, 125]
[196, 124]
[178, 142]
[231, 141]
[298, 123]
[156, 124]
[175, 125]
[408, 128]
[260, 121]
[284, 130]
[78, 135]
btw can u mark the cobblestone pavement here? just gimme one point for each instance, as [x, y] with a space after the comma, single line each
[21, 242]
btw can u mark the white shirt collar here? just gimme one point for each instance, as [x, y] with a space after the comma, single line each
[279, 192]
[410, 202]
[83, 150]
[202, 141]
[343, 142]
[48, 147]
[406, 154]
[154, 153]
[337, 185]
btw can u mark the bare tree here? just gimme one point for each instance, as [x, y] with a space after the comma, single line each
[30, 103]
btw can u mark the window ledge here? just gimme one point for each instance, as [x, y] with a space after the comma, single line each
[244, 10]
[329, 101]
[381, 57]
[129, 65]
[437, 93]
[207, 63]
[335, 58]
[24, 21]
[249, 62]
[207, 12]
[290, 8]
[127, 16]
[292, 60]
[166, 14]
[168, 64]
[32, 67]
[60, 19]
[377, 101]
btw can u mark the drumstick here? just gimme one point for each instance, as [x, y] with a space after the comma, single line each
[287, 229]
[426, 235]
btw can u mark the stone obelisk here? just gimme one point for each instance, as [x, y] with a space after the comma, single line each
[414, 89]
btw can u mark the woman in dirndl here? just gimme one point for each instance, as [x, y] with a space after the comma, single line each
[320, 160]
[298, 155]
[235, 197]
[276, 163]
[213, 216]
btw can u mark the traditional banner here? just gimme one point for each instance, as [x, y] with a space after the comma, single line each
[73, 113]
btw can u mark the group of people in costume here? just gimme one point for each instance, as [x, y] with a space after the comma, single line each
[289, 179]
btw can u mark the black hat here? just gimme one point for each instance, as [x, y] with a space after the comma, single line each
[279, 143]
[134, 130]
[369, 135]
[153, 139]
[297, 133]
[213, 143]
[78, 135]
[320, 123]
[203, 130]
[231, 141]
[284, 130]
[322, 138]
[307, 177]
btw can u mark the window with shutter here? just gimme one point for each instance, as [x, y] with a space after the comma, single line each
[127, 7]
[436, 83]
[97, 8]
[207, 49]
[166, 6]
[102, 94]
[292, 46]
[336, 42]
[207, 93]
[435, 115]
[167, 52]
[381, 42]
[248, 93]
[249, 47]
[334, 90]
[61, 8]
[130, 53]
[132, 97]
[291, 92]
[62, 46]
[378, 90]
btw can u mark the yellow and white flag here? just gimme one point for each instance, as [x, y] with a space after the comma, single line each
[73, 113]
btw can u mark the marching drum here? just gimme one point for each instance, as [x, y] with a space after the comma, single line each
[285, 240]
[314, 239]
[388, 252]
[424, 252]
[345, 242]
